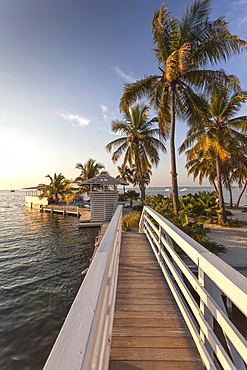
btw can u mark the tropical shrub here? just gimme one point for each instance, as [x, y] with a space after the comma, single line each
[131, 195]
[190, 208]
[130, 220]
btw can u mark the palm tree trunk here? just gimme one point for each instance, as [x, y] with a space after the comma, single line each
[222, 215]
[142, 186]
[215, 187]
[230, 194]
[241, 193]
[173, 155]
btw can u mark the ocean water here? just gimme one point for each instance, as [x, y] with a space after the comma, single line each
[194, 189]
[41, 260]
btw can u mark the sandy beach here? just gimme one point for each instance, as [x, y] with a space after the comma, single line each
[234, 239]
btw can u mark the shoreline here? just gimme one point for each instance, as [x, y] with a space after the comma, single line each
[234, 239]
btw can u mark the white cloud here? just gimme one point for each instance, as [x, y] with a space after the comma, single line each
[77, 121]
[237, 17]
[108, 116]
[104, 108]
[123, 75]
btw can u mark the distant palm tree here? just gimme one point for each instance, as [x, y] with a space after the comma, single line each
[183, 48]
[139, 142]
[88, 170]
[214, 129]
[239, 170]
[58, 186]
[146, 178]
[125, 174]
[202, 165]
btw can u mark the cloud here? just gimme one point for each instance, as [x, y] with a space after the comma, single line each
[123, 75]
[77, 121]
[108, 116]
[237, 16]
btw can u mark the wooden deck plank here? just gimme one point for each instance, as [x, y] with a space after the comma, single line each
[154, 342]
[154, 365]
[148, 329]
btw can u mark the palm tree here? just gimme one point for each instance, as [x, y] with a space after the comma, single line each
[214, 129]
[202, 165]
[125, 174]
[139, 142]
[90, 169]
[58, 186]
[239, 170]
[183, 48]
[146, 178]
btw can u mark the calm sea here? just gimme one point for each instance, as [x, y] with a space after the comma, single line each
[41, 260]
[195, 189]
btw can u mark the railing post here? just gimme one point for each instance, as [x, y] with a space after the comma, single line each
[204, 281]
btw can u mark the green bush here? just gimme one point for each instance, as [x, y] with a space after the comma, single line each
[191, 207]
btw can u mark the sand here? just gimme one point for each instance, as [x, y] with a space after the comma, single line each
[234, 239]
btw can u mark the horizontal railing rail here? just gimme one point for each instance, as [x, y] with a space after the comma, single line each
[200, 295]
[85, 338]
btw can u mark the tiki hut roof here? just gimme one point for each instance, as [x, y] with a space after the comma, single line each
[103, 179]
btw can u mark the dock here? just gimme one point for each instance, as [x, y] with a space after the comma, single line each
[148, 329]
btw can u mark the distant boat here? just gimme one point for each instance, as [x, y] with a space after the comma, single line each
[167, 189]
[12, 190]
[184, 189]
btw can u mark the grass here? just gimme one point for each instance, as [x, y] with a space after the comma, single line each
[130, 220]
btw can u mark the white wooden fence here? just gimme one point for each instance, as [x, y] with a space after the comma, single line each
[84, 340]
[213, 280]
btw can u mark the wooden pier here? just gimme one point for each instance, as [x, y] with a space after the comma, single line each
[136, 311]
[148, 329]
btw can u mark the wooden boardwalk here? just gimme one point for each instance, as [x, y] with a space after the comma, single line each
[148, 330]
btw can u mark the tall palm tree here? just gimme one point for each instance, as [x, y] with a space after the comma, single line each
[58, 186]
[214, 129]
[183, 48]
[139, 142]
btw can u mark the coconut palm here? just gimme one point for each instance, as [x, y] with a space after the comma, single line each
[239, 170]
[183, 48]
[146, 178]
[125, 174]
[139, 142]
[202, 165]
[58, 186]
[90, 169]
[214, 129]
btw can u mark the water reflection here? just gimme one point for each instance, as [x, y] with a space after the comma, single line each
[42, 256]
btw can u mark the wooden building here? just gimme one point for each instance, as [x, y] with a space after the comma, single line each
[103, 196]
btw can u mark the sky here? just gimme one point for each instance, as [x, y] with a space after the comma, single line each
[63, 66]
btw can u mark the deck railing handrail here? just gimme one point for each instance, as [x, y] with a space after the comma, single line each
[200, 295]
[84, 340]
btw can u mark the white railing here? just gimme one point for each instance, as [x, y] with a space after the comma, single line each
[200, 295]
[84, 340]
